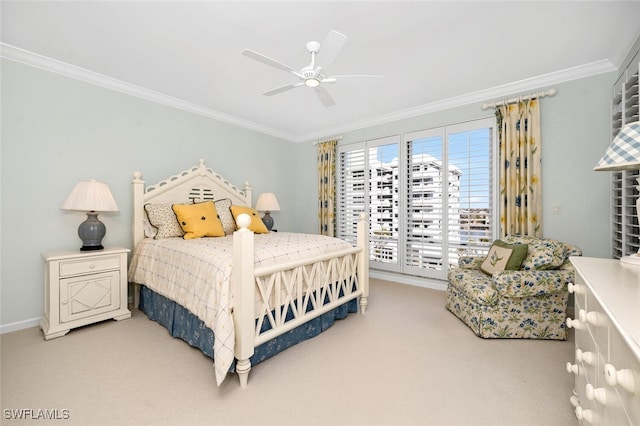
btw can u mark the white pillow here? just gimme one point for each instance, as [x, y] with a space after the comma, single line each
[162, 217]
[223, 207]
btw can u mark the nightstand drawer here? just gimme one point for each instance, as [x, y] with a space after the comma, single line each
[89, 266]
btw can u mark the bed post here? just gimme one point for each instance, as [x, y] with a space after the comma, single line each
[363, 263]
[138, 205]
[243, 290]
[248, 194]
[137, 222]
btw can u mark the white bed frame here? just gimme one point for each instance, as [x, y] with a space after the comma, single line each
[288, 286]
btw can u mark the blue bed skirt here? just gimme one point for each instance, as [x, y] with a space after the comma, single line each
[181, 323]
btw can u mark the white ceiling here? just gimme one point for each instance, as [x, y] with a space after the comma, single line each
[431, 54]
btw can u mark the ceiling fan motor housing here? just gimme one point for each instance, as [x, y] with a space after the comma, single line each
[308, 72]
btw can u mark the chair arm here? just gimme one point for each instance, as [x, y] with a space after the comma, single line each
[531, 283]
[468, 262]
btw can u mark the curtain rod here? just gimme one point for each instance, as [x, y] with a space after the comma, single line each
[550, 92]
[335, 138]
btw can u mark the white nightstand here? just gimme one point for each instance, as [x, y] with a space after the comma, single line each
[83, 287]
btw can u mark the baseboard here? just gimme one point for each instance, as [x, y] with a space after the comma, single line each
[409, 279]
[20, 325]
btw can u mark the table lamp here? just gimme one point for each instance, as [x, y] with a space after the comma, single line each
[91, 197]
[624, 154]
[267, 202]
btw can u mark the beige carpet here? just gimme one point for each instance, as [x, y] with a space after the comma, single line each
[408, 361]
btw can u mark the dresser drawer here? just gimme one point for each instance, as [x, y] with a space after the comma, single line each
[597, 322]
[622, 359]
[89, 265]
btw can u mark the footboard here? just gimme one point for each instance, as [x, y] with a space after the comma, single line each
[291, 294]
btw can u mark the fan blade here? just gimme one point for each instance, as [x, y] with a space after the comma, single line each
[271, 62]
[331, 47]
[324, 96]
[283, 89]
[363, 79]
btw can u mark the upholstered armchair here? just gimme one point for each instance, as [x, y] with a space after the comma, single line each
[527, 302]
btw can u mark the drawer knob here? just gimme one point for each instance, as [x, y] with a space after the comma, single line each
[586, 357]
[597, 394]
[574, 400]
[592, 318]
[624, 378]
[574, 323]
[573, 368]
[575, 288]
[586, 415]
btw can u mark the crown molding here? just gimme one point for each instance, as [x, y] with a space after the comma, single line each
[487, 95]
[52, 65]
[26, 57]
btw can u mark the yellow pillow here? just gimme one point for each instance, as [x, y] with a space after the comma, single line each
[256, 225]
[199, 220]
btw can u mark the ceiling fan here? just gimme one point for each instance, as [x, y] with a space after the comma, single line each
[313, 74]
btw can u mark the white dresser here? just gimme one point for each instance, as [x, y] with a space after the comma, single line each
[607, 342]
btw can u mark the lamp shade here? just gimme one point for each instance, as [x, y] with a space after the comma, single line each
[90, 196]
[267, 202]
[624, 151]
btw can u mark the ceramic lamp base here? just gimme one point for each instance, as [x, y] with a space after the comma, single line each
[268, 221]
[91, 232]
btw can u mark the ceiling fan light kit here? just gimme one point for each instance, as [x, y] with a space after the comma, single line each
[312, 82]
[312, 75]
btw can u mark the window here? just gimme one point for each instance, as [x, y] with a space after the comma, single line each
[429, 196]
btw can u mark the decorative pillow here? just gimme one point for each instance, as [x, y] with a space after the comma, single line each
[504, 257]
[150, 231]
[199, 220]
[162, 217]
[223, 207]
[256, 224]
[543, 253]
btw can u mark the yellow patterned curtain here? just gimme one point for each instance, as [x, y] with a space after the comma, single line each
[520, 168]
[327, 187]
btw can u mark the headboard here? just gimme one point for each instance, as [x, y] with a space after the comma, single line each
[198, 182]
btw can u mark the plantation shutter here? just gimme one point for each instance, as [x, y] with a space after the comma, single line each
[384, 202]
[426, 192]
[624, 217]
[352, 184]
[471, 189]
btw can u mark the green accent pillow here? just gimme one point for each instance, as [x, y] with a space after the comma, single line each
[199, 220]
[256, 225]
[504, 257]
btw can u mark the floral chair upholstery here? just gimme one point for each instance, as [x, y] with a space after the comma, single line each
[529, 303]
